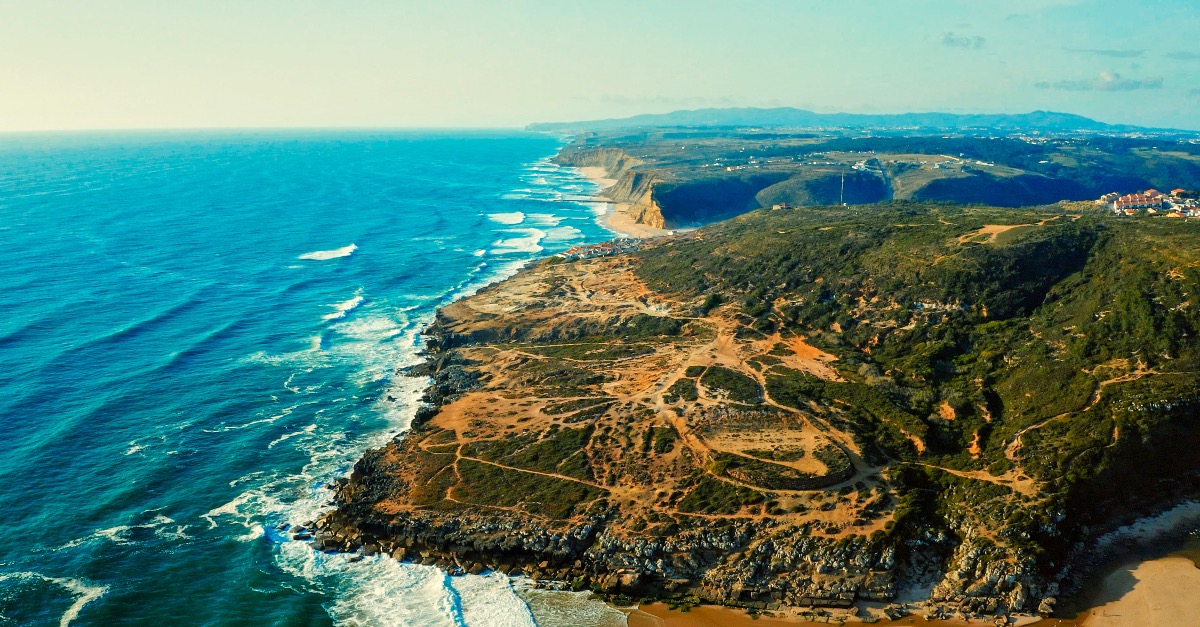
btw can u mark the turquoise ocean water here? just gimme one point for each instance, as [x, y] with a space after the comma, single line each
[201, 330]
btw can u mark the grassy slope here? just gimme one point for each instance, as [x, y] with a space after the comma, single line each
[1080, 330]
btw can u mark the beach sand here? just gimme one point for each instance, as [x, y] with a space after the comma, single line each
[616, 217]
[1158, 593]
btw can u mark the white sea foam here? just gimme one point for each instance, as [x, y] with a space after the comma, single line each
[238, 427]
[309, 430]
[550, 607]
[84, 592]
[543, 219]
[515, 217]
[322, 255]
[563, 233]
[255, 532]
[341, 309]
[526, 242]
[490, 600]
[597, 208]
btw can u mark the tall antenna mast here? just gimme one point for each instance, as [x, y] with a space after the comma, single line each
[842, 193]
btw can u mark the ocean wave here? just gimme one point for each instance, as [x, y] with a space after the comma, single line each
[527, 243]
[515, 217]
[309, 430]
[322, 255]
[544, 219]
[490, 600]
[553, 607]
[341, 309]
[563, 233]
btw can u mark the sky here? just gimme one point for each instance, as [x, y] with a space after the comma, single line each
[116, 64]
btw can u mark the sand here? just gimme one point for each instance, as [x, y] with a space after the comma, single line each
[616, 217]
[1158, 593]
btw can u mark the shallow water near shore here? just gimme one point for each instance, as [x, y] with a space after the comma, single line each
[202, 331]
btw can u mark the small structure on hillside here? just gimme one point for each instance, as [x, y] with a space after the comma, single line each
[603, 249]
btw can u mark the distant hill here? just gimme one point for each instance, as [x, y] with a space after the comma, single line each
[1046, 121]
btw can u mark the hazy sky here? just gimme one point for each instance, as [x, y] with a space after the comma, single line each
[268, 63]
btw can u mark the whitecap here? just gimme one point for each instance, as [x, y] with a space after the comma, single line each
[341, 309]
[563, 233]
[322, 255]
[287, 436]
[527, 243]
[256, 532]
[515, 217]
[543, 219]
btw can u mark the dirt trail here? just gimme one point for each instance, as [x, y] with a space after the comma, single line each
[1014, 447]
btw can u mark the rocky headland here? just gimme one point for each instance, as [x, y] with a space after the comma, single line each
[801, 408]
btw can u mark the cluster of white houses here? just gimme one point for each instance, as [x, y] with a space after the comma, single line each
[1178, 204]
[603, 249]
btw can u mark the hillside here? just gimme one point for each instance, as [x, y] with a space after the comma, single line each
[791, 117]
[681, 178]
[805, 406]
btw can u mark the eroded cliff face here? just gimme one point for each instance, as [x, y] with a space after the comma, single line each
[633, 188]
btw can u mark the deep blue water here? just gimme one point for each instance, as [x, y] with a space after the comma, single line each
[200, 330]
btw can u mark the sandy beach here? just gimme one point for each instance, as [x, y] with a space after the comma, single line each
[1158, 593]
[616, 216]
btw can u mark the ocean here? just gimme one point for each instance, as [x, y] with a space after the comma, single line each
[201, 330]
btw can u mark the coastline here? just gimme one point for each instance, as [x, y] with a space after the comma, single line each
[616, 217]
[1160, 592]
[660, 615]
[1160, 588]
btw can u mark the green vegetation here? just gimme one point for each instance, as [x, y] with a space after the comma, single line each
[592, 351]
[761, 169]
[485, 484]
[559, 451]
[663, 439]
[712, 496]
[779, 477]
[1057, 327]
[737, 386]
[683, 389]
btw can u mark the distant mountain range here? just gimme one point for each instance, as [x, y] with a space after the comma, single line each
[1046, 121]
